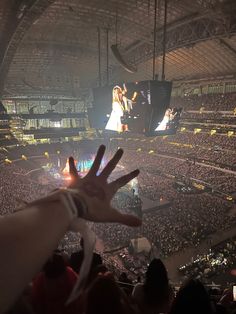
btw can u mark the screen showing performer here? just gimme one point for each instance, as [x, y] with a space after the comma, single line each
[137, 107]
[170, 120]
[121, 109]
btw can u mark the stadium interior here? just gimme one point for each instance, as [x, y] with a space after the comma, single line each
[156, 78]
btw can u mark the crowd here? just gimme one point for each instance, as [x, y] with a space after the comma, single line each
[210, 102]
[106, 292]
[166, 228]
[16, 188]
[189, 219]
[220, 259]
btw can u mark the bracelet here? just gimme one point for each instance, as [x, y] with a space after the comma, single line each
[70, 198]
[74, 202]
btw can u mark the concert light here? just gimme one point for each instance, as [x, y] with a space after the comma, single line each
[197, 131]
[8, 161]
[213, 132]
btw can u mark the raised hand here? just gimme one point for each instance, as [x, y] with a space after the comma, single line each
[98, 193]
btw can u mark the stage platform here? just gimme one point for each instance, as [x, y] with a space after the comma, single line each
[151, 206]
[147, 204]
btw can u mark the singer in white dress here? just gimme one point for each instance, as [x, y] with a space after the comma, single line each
[114, 122]
[163, 125]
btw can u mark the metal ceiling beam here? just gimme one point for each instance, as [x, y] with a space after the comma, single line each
[185, 35]
[23, 15]
[227, 46]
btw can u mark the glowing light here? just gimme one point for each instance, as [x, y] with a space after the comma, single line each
[8, 161]
[229, 198]
[201, 109]
[197, 131]
[151, 151]
[199, 186]
[68, 178]
[183, 129]
[139, 150]
[134, 96]
[230, 133]
[58, 152]
[46, 154]
[23, 157]
[57, 124]
[212, 132]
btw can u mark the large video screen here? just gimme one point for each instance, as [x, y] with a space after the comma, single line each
[138, 107]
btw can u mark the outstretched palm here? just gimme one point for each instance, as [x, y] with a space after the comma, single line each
[99, 193]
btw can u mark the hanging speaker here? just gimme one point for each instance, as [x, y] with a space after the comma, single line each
[122, 62]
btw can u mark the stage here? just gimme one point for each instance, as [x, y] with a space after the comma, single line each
[147, 204]
[150, 205]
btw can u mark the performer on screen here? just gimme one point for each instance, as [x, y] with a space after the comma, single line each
[121, 107]
[169, 116]
[163, 125]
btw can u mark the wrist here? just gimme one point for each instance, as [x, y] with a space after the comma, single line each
[77, 202]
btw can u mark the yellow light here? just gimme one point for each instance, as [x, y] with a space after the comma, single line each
[201, 110]
[46, 154]
[183, 129]
[229, 198]
[151, 152]
[230, 133]
[213, 132]
[197, 131]
[58, 152]
[8, 161]
[134, 96]
[23, 157]
[199, 186]
[138, 150]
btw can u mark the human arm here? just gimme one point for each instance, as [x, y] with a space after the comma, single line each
[28, 237]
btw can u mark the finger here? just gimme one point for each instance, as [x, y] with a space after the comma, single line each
[112, 164]
[97, 161]
[117, 184]
[124, 219]
[72, 169]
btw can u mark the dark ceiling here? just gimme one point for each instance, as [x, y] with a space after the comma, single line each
[51, 47]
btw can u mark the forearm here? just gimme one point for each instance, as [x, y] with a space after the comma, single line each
[22, 253]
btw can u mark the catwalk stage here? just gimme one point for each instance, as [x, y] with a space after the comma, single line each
[150, 205]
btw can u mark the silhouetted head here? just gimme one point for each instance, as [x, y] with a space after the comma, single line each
[104, 296]
[192, 298]
[156, 285]
[55, 266]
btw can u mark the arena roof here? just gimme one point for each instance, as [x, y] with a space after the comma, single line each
[51, 46]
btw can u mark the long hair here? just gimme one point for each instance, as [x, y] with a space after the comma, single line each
[104, 296]
[115, 94]
[192, 298]
[156, 285]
